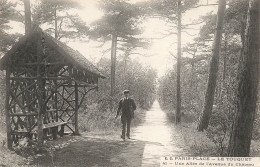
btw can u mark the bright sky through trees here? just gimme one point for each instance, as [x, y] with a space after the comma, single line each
[157, 55]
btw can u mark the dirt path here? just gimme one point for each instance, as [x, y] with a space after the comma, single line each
[149, 142]
[156, 138]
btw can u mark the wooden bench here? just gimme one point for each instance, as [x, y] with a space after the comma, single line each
[51, 123]
[53, 126]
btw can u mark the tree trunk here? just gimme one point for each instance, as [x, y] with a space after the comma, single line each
[213, 71]
[113, 63]
[41, 97]
[178, 97]
[27, 15]
[192, 71]
[7, 107]
[55, 23]
[125, 69]
[222, 84]
[248, 78]
[225, 59]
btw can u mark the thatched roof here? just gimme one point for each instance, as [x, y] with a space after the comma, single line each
[78, 60]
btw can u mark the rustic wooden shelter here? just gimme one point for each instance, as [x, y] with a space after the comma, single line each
[46, 82]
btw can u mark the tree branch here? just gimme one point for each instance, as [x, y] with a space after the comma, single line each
[189, 52]
[60, 37]
[101, 45]
[60, 27]
[165, 35]
[191, 28]
[142, 54]
[189, 33]
[173, 55]
[204, 5]
[189, 61]
[104, 52]
[50, 29]
[193, 23]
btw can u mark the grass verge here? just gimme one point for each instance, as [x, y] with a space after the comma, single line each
[200, 144]
[94, 120]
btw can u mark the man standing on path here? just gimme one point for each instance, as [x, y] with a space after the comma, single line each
[127, 107]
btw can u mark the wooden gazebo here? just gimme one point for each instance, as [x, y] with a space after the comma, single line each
[46, 82]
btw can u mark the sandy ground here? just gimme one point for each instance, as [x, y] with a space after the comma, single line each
[149, 142]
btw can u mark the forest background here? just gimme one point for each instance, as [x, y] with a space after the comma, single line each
[147, 81]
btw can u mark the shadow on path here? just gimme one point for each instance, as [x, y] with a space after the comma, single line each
[153, 139]
[92, 151]
[158, 138]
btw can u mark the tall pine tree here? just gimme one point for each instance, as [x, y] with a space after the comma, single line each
[213, 71]
[248, 81]
[120, 24]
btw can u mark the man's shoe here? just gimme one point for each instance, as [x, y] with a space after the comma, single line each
[123, 137]
[128, 136]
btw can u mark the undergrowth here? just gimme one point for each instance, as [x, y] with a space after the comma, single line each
[198, 142]
[212, 142]
[94, 119]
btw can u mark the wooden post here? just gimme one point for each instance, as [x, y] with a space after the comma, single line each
[56, 129]
[62, 131]
[40, 97]
[7, 107]
[76, 109]
[56, 102]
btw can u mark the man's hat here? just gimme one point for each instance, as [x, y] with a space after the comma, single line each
[126, 91]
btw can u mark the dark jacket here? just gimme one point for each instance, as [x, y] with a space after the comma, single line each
[127, 107]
